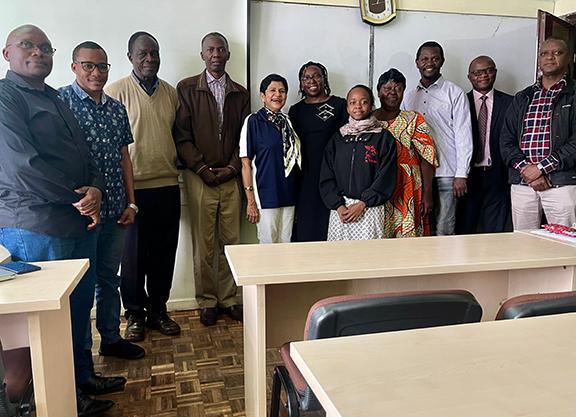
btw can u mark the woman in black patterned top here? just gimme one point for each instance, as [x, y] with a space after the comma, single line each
[315, 119]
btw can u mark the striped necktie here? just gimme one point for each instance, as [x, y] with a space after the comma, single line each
[482, 126]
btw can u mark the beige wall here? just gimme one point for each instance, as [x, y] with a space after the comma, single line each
[514, 8]
[563, 7]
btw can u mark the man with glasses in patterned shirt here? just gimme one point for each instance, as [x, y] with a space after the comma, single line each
[107, 129]
[51, 190]
[538, 143]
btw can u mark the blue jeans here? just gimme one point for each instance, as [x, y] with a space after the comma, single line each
[28, 246]
[445, 206]
[109, 246]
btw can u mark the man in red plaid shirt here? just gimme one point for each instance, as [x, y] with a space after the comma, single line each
[538, 143]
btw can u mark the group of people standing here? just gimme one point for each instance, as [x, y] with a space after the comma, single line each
[92, 172]
[434, 161]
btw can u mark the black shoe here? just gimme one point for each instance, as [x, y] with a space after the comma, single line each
[135, 331]
[88, 407]
[235, 312]
[98, 385]
[209, 316]
[164, 324]
[122, 349]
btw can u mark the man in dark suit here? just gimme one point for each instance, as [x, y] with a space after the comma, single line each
[486, 207]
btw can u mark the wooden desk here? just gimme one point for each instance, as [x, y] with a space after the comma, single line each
[282, 281]
[44, 297]
[507, 368]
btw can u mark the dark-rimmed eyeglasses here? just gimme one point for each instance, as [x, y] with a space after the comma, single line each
[45, 48]
[308, 78]
[88, 66]
[484, 71]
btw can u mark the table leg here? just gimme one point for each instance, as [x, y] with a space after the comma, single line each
[254, 297]
[50, 335]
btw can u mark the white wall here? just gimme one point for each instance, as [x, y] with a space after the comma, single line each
[178, 25]
[284, 36]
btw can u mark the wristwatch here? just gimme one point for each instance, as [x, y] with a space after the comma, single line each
[133, 207]
[249, 188]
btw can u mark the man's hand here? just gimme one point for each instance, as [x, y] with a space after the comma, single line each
[223, 174]
[530, 173]
[342, 213]
[459, 188]
[355, 211]
[209, 177]
[128, 217]
[540, 184]
[252, 213]
[88, 205]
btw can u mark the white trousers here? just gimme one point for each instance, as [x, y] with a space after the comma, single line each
[558, 203]
[275, 225]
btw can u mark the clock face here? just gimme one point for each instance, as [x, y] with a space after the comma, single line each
[378, 12]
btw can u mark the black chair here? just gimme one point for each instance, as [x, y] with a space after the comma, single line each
[16, 389]
[362, 314]
[531, 305]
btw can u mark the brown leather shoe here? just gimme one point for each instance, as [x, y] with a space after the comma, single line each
[209, 316]
[135, 331]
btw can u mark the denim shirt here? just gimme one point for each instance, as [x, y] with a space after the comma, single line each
[107, 131]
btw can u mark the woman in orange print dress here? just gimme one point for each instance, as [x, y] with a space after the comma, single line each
[407, 212]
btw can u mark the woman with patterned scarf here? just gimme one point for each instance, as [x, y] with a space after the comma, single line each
[270, 153]
[358, 172]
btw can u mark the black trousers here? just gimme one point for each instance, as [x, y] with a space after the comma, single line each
[486, 207]
[150, 251]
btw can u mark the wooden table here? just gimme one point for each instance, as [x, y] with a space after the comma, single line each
[44, 297]
[508, 368]
[282, 281]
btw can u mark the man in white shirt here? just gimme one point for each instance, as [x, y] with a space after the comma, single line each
[445, 107]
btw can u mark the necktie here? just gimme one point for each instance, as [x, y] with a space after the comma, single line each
[482, 126]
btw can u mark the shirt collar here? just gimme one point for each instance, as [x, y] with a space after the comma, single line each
[21, 82]
[477, 95]
[439, 83]
[211, 79]
[558, 86]
[83, 95]
[143, 85]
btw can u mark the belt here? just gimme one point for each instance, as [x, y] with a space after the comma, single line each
[483, 168]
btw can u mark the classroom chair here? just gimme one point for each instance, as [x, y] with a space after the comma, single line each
[361, 314]
[531, 305]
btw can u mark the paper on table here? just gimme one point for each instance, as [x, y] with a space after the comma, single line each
[4, 255]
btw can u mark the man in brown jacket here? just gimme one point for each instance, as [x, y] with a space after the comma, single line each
[207, 132]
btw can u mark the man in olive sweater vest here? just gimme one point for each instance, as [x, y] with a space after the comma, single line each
[150, 246]
[207, 133]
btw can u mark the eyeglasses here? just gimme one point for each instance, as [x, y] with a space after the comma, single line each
[45, 48]
[89, 66]
[484, 71]
[308, 78]
[553, 53]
